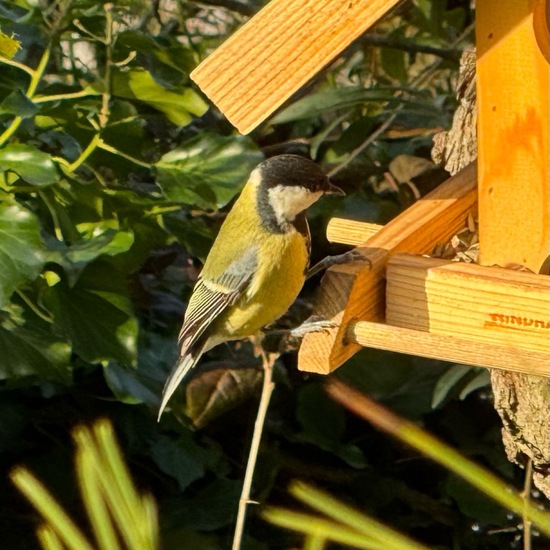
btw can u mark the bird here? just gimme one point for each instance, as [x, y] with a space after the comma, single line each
[257, 264]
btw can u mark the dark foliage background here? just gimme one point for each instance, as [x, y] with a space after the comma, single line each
[114, 177]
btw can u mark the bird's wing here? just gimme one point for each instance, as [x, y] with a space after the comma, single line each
[210, 297]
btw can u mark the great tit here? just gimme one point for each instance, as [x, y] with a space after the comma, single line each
[257, 264]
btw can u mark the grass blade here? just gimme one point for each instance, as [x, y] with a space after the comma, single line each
[439, 452]
[50, 510]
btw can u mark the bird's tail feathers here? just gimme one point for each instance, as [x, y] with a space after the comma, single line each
[182, 367]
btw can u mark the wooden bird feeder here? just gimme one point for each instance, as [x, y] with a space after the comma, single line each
[484, 315]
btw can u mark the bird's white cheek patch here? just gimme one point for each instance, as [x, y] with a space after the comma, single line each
[288, 201]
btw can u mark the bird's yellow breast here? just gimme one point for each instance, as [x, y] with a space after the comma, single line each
[282, 260]
[275, 286]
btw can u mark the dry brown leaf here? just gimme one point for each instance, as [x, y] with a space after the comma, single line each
[213, 392]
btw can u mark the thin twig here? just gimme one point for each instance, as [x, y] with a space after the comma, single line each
[526, 497]
[37, 311]
[86, 153]
[37, 75]
[16, 64]
[104, 113]
[60, 97]
[267, 390]
[417, 81]
[106, 147]
[408, 45]
[58, 231]
[240, 6]
[373, 137]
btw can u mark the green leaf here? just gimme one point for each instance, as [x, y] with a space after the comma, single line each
[156, 356]
[17, 103]
[323, 424]
[132, 387]
[207, 170]
[21, 248]
[448, 382]
[181, 459]
[12, 12]
[103, 241]
[474, 504]
[328, 101]
[32, 349]
[481, 380]
[34, 166]
[402, 382]
[394, 63]
[169, 61]
[211, 508]
[193, 233]
[179, 106]
[98, 324]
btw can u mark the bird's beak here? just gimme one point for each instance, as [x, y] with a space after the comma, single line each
[334, 190]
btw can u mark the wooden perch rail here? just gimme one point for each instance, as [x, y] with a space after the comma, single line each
[449, 348]
[465, 313]
[357, 292]
[343, 231]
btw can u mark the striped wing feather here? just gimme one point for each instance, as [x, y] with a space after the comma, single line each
[209, 299]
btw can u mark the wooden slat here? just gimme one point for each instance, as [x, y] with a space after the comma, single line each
[484, 305]
[343, 231]
[448, 348]
[280, 49]
[356, 291]
[513, 119]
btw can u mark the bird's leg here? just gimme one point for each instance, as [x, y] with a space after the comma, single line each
[345, 258]
[256, 342]
[312, 324]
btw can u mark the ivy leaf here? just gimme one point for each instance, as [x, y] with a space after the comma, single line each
[394, 63]
[474, 504]
[17, 103]
[21, 248]
[98, 324]
[330, 100]
[106, 241]
[211, 508]
[156, 356]
[12, 12]
[448, 382]
[208, 170]
[181, 459]
[482, 379]
[168, 61]
[323, 425]
[32, 349]
[402, 382]
[32, 165]
[179, 106]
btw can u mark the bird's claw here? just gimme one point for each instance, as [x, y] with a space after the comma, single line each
[313, 324]
[351, 256]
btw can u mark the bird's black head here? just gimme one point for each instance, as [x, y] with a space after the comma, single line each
[287, 186]
[295, 170]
